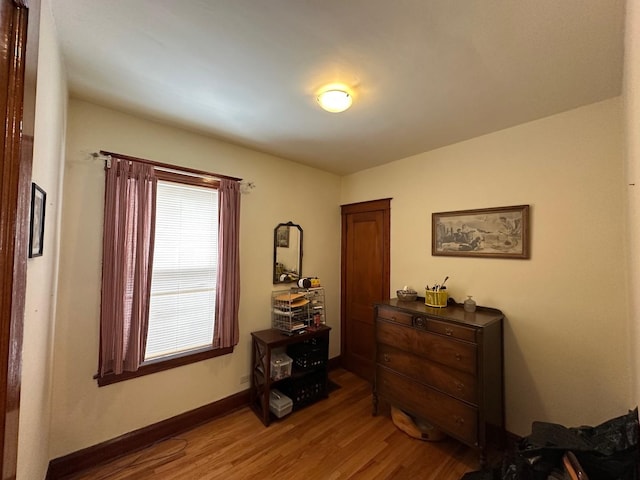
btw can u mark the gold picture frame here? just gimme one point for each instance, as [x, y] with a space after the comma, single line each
[500, 232]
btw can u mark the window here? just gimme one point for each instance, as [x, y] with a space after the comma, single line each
[170, 284]
[183, 282]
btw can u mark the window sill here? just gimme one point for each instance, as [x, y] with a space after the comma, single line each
[161, 365]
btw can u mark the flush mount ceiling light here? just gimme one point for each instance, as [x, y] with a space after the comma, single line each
[335, 100]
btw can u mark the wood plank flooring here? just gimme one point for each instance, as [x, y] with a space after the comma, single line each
[334, 439]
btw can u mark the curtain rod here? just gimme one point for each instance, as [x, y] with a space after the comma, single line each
[168, 166]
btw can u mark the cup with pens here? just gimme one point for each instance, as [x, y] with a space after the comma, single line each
[436, 295]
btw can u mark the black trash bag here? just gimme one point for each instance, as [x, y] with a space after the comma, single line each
[606, 452]
[515, 466]
[482, 475]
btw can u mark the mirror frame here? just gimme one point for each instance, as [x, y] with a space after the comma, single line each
[276, 277]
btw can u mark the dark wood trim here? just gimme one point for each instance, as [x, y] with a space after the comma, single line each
[19, 28]
[164, 364]
[173, 176]
[370, 206]
[334, 363]
[144, 437]
[168, 166]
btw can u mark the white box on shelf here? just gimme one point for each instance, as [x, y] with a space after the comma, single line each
[279, 404]
[281, 365]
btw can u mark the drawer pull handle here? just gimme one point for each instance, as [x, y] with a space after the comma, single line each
[386, 357]
[460, 386]
[459, 420]
[458, 356]
[448, 331]
[420, 322]
[394, 319]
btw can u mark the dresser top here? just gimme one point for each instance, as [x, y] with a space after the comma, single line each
[454, 312]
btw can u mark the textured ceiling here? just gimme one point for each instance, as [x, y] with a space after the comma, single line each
[425, 73]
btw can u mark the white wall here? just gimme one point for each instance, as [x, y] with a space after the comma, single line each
[566, 332]
[42, 272]
[83, 413]
[566, 335]
[632, 123]
[567, 345]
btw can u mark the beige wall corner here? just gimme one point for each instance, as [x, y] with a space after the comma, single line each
[566, 334]
[631, 97]
[42, 272]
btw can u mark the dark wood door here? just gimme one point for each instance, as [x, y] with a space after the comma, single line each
[365, 279]
[18, 64]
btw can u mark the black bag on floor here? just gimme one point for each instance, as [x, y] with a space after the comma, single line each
[608, 451]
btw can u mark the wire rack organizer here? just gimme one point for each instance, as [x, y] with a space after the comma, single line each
[297, 308]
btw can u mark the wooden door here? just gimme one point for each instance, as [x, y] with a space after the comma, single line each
[365, 279]
[18, 64]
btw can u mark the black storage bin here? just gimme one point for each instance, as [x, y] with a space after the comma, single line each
[305, 390]
[308, 355]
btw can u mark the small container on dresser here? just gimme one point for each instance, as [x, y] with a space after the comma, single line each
[442, 365]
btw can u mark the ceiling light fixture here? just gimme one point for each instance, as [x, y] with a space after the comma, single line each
[335, 100]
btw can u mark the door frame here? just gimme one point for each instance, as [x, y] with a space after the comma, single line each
[384, 205]
[17, 101]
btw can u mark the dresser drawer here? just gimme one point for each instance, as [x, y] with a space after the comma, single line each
[447, 351]
[453, 416]
[451, 330]
[394, 315]
[448, 380]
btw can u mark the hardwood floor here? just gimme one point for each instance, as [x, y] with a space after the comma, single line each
[336, 438]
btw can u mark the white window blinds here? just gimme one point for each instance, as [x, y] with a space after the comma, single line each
[183, 288]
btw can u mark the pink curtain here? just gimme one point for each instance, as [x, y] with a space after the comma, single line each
[226, 332]
[130, 194]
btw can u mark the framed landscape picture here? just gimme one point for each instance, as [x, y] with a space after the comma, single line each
[500, 232]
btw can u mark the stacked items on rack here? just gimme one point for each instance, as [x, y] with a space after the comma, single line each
[289, 311]
[296, 309]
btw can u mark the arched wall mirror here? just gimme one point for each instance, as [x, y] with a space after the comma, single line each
[287, 253]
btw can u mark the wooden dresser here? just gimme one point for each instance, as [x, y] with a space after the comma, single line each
[442, 365]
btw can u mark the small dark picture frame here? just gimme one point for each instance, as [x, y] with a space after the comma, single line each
[282, 236]
[36, 232]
